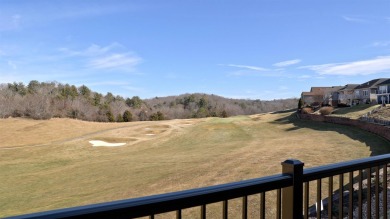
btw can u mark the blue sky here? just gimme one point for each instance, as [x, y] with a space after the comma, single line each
[265, 49]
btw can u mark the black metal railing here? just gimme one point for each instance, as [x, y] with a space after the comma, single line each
[294, 195]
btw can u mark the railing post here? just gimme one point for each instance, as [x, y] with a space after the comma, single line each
[292, 197]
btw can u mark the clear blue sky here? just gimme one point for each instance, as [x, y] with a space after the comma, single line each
[265, 49]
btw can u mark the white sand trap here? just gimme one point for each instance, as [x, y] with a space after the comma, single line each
[150, 134]
[96, 143]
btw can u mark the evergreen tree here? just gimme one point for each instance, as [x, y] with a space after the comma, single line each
[119, 118]
[300, 103]
[127, 116]
[110, 116]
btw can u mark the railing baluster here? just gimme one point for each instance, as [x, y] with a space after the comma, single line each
[178, 214]
[203, 212]
[225, 209]
[341, 193]
[262, 205]
[377, 192]
[368, 191]
[384, 184]
[318, 205]
[330, 197]
[350, 187]
[245, 207]
[360, 195]
[306, 203]
[279, 204]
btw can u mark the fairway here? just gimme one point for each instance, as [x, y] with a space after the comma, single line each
[51, 164]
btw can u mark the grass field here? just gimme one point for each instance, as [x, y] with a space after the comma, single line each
[50, 164]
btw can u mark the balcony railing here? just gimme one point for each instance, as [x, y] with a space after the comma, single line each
[294, 195]
[383, 92]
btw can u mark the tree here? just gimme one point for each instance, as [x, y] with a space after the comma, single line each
[202, 102]
[109, 98]
[97, 99]
[119, 118]
[84, 91]
[127, 116]
[224, 114]
[18, 88]
[33, 86]
[134, 102]
[110, 116]
[300, 103]
[187, 100]
[143, 116]
[157, 116]
[201, 113]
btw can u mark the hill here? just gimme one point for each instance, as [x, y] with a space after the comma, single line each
[45, 100]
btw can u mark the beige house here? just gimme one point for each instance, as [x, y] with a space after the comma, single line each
[321, 96]
[367, 92]
[346, 94]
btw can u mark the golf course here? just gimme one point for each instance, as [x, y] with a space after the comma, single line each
[50, 164]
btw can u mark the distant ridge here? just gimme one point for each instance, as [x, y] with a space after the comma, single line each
[45, 100]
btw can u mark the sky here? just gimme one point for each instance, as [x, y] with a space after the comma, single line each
[264, 49]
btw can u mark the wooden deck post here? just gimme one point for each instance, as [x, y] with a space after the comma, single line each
[292, 197]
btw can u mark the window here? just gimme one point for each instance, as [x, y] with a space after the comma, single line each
[382, 89]
[365, 93]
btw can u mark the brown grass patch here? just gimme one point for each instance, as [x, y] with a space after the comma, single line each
[66, 173]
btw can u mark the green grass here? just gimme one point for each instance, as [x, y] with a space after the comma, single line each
[183, 154]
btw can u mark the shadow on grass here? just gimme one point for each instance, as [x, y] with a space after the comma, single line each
[377, 144]
[352, 109]
[285, 111]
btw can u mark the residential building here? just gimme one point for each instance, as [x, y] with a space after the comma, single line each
[321, 96]
[367, 92]
[346, 94]
[383, 95]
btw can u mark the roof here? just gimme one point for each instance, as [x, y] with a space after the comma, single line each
[322, 90]
[372, 84]
[385, 82]
[310, 94]
[349, 87]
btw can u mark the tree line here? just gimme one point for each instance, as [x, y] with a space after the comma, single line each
[45, 100]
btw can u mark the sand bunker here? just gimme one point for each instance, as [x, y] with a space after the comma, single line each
[96, 143]
[150, 134]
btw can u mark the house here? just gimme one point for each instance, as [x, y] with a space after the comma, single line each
[383, 95]
[346, 94]
[321, 96]
[367, 92]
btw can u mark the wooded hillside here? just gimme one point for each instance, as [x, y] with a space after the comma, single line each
[44, 100]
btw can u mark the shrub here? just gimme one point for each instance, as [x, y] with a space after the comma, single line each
[327, 110]
[224, 114]
[157, 116]
[306, 110]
